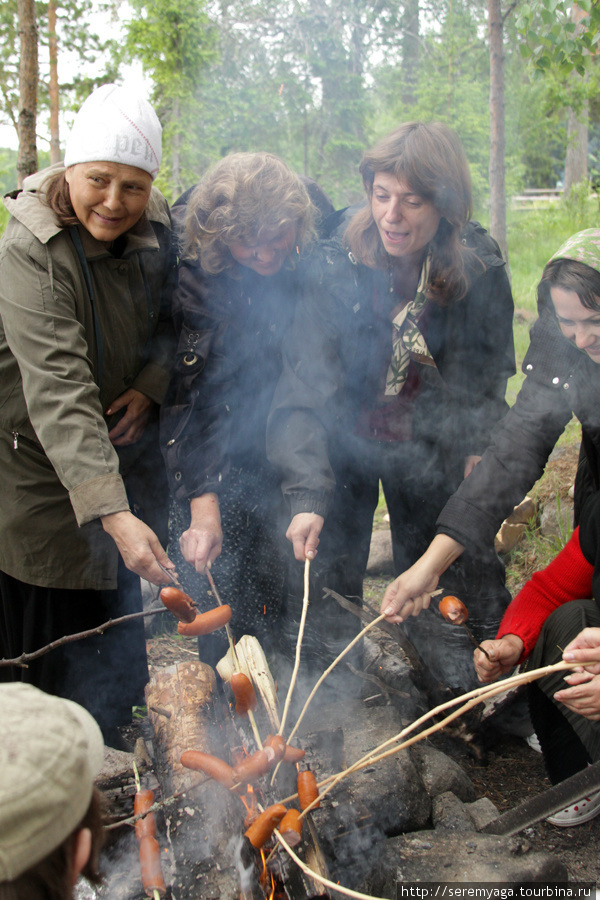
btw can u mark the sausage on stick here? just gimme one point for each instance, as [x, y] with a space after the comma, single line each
[149, 848]
[206, 622]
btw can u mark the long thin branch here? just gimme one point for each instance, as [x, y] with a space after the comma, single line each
[330, 669]
[481, 694]
[478, 695]
[320, 878]
[25, 658]
[288, 699]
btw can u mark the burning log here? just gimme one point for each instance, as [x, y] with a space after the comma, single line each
[201, 824]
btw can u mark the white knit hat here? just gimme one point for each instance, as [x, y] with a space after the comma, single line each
[50, 751]
[115, 125]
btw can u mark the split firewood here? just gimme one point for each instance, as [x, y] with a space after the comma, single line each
[234, 656]
[252, 662]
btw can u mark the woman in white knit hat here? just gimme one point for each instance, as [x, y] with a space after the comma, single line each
[85, 348]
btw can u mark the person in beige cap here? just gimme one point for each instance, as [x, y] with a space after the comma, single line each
[50, 812]
[86, 343]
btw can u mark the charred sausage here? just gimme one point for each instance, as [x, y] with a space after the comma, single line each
[179, 603]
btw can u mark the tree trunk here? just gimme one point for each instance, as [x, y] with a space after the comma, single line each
[497, 134]
[410, 52]
[576, 161]
[28, 81]
[576, 167]
[55, 155]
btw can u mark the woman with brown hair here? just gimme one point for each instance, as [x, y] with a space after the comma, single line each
[395, 372]
[246, 224]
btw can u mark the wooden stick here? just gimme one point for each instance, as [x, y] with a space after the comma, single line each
[320, 878]
[236, 662]
[478, 695]
[25, 658]
[288, 699]
[330, 669]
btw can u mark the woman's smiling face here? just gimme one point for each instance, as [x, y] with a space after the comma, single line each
[579, 324]
[405, 221]
[108, 198]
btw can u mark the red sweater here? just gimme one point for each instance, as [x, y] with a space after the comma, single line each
[568, 577]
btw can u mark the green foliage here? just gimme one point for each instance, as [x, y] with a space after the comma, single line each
[175, 41]
[553, 40]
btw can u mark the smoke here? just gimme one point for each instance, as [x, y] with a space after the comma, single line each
[246, 873]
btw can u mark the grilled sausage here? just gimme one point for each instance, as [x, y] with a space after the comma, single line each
[152, 876]
[254, 767]
[263, 826]
[453, 610]
[277, 744]
[206, 622]
[243, 691]
[307, 789]
[179, 603]
[142, 802]
[290, 827]
[293, 754]
[211, 765]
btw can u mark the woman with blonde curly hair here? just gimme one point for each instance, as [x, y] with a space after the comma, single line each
[245, 225]
[395, 372]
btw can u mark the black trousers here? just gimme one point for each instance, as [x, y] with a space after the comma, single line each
[568, 740]
[105, 673]
[250, 571]
[416, 484]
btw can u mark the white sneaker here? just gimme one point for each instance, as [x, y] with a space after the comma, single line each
[534, 742]
[585, 809]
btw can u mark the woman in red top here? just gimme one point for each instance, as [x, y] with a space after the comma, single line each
[558, 608]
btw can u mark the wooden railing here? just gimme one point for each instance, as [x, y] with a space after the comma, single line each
[536, 198]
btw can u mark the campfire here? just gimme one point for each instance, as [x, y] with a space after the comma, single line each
[252, 805]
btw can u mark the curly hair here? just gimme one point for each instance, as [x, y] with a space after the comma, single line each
[430, 159]
[239, 199]
[571, 275]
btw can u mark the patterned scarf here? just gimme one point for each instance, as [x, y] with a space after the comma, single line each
[407, 341]
[583, 247]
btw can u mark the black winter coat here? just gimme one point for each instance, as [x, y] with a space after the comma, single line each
[328, 358]
[227, 364]
[561, 380]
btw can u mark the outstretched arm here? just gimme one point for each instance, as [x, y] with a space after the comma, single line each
[411, 591]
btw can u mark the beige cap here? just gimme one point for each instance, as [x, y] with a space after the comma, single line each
[50, 751]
